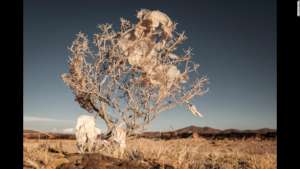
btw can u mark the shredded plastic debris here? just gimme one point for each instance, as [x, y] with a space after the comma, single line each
[86, 133]
[194, 110]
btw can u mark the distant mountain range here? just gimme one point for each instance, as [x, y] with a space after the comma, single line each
[32, 134]
[212, 133]
[190, 131]
[209, 130]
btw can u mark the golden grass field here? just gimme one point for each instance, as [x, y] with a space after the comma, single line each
[191, 153]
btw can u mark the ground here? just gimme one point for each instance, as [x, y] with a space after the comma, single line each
[141, 153]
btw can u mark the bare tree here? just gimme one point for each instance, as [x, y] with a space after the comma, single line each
[132, 75]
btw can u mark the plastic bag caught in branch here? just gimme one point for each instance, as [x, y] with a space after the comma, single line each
[157, 18]
[194, 110]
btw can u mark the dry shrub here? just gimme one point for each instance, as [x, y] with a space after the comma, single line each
[137, 72]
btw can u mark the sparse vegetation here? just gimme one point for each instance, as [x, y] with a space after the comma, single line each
[179, 153]
[128, 78]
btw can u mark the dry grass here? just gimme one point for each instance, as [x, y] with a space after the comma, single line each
[180, 153]
[46, 154]
[208, 154]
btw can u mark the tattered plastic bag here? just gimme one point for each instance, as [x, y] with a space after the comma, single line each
[194, 110]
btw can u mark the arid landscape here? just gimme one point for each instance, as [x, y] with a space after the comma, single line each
[147, 72]
[188, 148]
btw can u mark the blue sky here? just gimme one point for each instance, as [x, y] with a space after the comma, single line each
[234, 43]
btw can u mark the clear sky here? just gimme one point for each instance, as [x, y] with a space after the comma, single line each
[234, 42]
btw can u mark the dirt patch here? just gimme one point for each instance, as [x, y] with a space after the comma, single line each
[98, 161]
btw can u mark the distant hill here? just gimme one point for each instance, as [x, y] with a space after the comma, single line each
[191, 129]
[259, 131]
[32, 134]
[205, 132]
[30, 131]
[212, 133]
